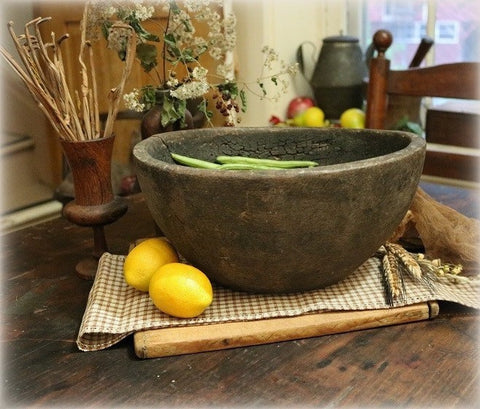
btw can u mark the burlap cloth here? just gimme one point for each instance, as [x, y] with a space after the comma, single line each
[114, 310]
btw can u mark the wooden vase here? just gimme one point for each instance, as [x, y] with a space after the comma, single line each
[95, 204]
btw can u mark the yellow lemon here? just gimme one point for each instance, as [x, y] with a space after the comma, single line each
[180, 290]
[353, 118]
[146, 258]
[313, 117]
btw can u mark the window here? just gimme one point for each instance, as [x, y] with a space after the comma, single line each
[453, 24]
[447, 32]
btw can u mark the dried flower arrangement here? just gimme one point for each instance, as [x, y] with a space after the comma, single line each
[75, 116]
[174, 58]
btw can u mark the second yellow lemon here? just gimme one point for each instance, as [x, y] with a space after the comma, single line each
[146, 258]
[353, 118]
[180, 290]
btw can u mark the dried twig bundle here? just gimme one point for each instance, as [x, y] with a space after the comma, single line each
[75, 117]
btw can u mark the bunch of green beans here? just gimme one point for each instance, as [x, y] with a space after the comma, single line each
[242, 163]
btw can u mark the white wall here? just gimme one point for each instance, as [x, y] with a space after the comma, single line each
[19, 113]
[17, 104]
[283, 25]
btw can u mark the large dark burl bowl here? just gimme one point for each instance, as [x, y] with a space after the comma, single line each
[280, 230]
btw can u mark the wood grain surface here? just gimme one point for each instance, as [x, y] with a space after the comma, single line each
[429, 363]
[183, 340]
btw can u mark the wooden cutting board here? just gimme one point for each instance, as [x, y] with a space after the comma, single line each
[201, 338]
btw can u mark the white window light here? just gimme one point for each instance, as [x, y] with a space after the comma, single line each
[447, 32]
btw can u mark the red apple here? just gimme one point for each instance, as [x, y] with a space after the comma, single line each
[298, 105]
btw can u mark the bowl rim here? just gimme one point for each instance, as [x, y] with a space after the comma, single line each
[142, 155]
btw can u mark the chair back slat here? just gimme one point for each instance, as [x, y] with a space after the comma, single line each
[456, 80]
[450, 133]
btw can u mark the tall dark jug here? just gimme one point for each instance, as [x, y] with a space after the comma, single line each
[337, 79]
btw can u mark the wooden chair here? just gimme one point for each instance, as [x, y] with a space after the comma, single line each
[452, 137]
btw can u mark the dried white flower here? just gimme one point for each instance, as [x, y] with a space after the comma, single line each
[98, 12]
[293, 69]
[271, 56]
[188, 90]
[216, 53]
[200, 74]
[143, 12]
[226, 71]
[132, 101]
[172, 82]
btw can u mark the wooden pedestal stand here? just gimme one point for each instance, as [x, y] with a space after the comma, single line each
[95, 204]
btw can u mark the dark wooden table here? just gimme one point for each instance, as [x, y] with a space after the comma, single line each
[430, 363]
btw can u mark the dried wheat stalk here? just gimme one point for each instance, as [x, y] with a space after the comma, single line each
[75, 118]
[392, 279]
[398, 264]
[405, 258]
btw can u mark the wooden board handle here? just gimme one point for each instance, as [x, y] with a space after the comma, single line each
[201, 338]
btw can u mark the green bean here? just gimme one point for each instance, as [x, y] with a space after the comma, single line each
[246, 166]
[241, 163]
[279, 164]
[201, 164]
[194, 163]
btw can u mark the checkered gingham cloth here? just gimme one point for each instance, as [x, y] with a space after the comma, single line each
[114, 310]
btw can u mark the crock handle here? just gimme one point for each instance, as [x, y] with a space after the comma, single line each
[300, 57]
